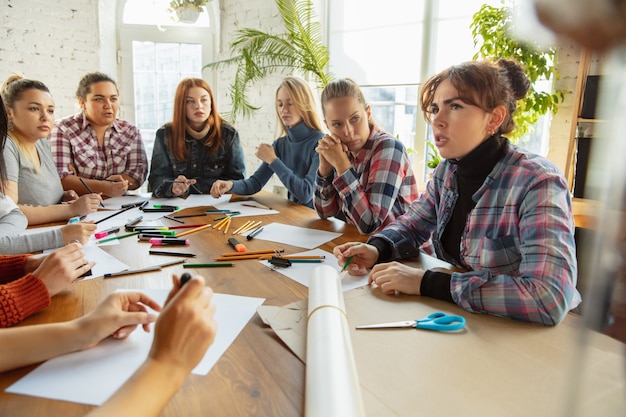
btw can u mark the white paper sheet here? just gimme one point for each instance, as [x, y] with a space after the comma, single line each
[245, 210]
[301, 272]
[332, 385]
[92, 376]
[105, 262]
[296, 236]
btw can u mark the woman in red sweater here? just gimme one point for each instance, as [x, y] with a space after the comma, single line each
[27, 282]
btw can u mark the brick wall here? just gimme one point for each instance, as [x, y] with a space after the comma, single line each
[54, 41]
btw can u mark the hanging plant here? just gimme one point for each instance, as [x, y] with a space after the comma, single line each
[491, 30]
[186, 11]
[258, 54]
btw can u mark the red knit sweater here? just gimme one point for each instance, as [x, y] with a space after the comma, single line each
[20, 295]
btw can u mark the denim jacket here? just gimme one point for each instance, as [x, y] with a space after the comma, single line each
[227, 163]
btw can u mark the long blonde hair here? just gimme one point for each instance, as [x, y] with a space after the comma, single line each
[302, 98]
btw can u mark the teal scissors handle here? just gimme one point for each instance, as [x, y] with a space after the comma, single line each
[441, 322]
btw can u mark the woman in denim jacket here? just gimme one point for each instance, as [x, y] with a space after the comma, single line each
[196, 148]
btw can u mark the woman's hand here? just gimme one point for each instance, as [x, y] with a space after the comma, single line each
[266, 153]
[78, 231]
[115, 186]
[181, 184]
[62, 267]
[394, 276]
[117, 316]
[186, 327]
[363, 257]
[85, 204]
[221, 187]
[334, 153]
[69, 196]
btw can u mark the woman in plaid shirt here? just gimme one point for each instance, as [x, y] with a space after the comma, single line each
[365, 175]
[499, 213]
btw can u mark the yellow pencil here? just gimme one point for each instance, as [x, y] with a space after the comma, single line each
[224, 224]
[221, 222]
[242, 226]
[250, 227]
[227, 226]
[197, 229]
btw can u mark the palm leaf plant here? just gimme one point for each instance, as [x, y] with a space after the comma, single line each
[258, 54]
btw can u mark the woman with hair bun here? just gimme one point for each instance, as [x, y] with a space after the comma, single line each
[498, 213]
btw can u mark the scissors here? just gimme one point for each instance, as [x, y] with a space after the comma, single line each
[437, 321]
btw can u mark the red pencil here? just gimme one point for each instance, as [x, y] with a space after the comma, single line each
[185, 226]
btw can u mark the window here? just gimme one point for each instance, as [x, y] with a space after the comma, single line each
[156, 53]
[389, 48]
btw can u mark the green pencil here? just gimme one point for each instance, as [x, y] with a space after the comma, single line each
[118, 237]
[208, 265]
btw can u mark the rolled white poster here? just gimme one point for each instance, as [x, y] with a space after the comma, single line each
[332, 383]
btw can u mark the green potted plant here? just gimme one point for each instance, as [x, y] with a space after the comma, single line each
[186, 11]
[257, 54]
[491, 30]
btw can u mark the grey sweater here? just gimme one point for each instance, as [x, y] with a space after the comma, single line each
[11, 243]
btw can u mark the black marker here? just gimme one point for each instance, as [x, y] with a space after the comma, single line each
[186, 276]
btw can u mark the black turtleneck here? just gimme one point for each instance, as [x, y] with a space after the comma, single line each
[470, 174]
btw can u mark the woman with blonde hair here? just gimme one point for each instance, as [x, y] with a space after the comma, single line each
[291, 157]
[196, 148]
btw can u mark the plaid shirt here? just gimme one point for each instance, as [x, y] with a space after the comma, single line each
[518, 243]
[378, 187]
[74, 141]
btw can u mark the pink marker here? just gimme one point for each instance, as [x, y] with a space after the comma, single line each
[156, 241]
[104, 233]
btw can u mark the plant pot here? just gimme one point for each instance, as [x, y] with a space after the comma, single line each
[187, 14]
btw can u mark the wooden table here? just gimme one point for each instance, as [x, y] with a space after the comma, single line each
[257, 375]
[499, 367]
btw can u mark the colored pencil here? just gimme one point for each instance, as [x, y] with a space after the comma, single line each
[242, 226]
[197, 229]
[208, 265]
[255, 252]
[118, 237]
[89, 189]
[238, 258]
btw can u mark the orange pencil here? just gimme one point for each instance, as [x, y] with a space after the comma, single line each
[197, 229]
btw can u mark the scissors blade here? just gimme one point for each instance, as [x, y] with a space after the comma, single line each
[392, 325]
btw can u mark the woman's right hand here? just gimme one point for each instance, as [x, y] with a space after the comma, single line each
[78, 231]
[186, 326]
[62, 267]
[221, 187]
[85, 204]
[364, 257]
[181, 184]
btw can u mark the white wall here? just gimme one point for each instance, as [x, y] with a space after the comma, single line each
[54, 41]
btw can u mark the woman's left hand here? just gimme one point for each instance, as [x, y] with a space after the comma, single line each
[334, 152]
[394, 276]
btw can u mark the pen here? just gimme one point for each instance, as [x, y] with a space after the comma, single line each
[259, 206]
[135, 204]
[186, 276]
[166, 253]
[118, 237]
[174, 219]
[104, 233]
[114, 214]
[184, 216]
[166, 206]
[133, 222]
[89, 189]
[208, 265]
[168, 241]
[147, 269]
[254, 233]
[345, 265]
[161, 233]
[158, 210]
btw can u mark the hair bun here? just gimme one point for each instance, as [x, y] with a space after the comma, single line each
[520, 84]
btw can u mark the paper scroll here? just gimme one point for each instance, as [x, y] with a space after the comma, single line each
[332, 384]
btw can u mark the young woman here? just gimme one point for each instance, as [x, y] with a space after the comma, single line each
[32, 179]
[183, 332]
[365, 175]
[492, 209]
[291, 157]
[196, 148]
[97, 147]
